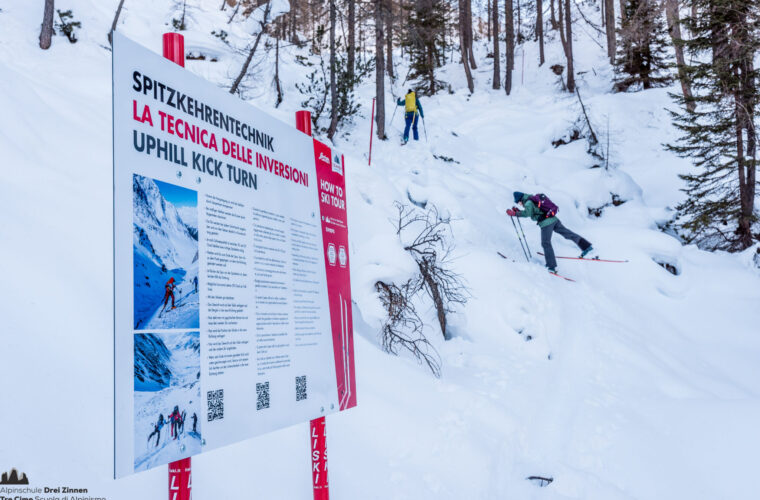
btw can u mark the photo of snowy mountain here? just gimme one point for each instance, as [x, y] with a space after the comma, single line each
[165, 237]
[167, 398]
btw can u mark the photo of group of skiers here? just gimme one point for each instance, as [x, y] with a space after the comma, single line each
[167, 397]
[176, 423]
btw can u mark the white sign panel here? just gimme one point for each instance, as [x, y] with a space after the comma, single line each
[222, 322]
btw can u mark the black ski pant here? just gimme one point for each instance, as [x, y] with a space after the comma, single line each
[546, 241]
[157, 433]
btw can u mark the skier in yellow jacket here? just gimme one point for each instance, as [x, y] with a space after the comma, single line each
[413, 109]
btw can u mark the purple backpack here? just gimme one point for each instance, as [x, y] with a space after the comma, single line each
[544, 204]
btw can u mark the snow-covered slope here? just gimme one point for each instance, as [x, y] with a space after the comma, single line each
[652, 389]
[160, 233]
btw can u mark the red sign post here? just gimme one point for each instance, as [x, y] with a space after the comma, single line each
[180, 480]
[371, 132]
[180, 472]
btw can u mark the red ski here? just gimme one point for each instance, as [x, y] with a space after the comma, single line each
[563, 277]
[588, 260]
[554, 274]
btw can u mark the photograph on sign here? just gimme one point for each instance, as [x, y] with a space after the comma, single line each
[165, 255]
[167, 397]
[231, 286]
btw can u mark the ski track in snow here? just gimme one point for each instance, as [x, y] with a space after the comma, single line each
[652, 390]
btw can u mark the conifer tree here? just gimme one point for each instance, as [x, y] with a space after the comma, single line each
[425, 41]
[642, 53]
[719, 128]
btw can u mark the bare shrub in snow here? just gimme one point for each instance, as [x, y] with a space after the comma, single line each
[403, 326]
[431, 247]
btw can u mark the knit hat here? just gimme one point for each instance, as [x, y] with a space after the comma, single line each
[518, 196]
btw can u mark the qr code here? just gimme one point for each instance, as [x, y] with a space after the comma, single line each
[215, 404]
[262, 396]
[301, 393]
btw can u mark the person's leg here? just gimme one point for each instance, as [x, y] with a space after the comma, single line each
[414, 127]
[582, 243]
[546, 243]
[158, 438]
[172, 300]
[408, 117]
[166, 299]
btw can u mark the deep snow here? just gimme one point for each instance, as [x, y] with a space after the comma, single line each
[652, 387]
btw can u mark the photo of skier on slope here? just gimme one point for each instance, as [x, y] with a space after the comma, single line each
[166, 382]
[165, 255]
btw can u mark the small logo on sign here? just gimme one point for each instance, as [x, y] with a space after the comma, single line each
[331, 255]
[14, 477]
[342, 257]
[337, 165]
[323, 157]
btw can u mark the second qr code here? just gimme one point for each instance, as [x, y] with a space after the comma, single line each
[262, 395]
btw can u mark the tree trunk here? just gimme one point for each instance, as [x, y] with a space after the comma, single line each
[46, 32]
[509, 34]
[554, 17]
[389, 38]
[277, 84]
[609, 22]
[674, 28]
[569, 36]
[496, 57]
[540, 31]
[379, 71]
[115, 21]
[470, 38]
[333, 69]
[746, 157]
[488, 28]
[435, 294]
[351, 50]
[561, 24]
[463, 43]
[247, 63]
[234, 13]
[519, 23]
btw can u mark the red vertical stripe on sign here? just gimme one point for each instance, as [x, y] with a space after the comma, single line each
[180, 477]
[318, 426]
[332, 206]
